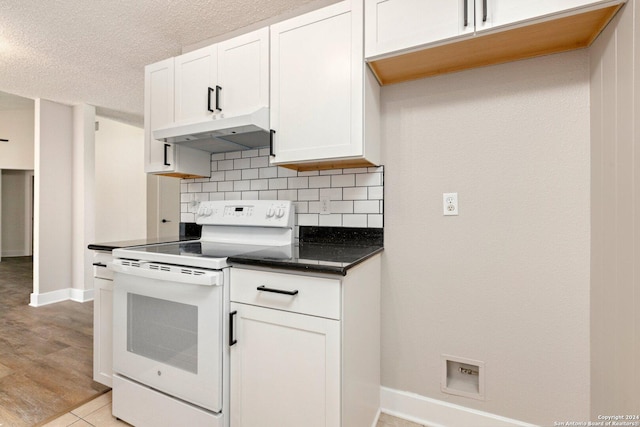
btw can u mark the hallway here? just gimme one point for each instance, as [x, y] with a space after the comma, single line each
[46, 353]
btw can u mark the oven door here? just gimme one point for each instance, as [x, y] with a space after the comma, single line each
[167, 329]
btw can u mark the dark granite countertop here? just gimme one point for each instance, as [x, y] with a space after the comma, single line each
[109, 246]
[332, 250]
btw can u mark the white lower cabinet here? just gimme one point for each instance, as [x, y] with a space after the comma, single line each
[305, 350]
[102, 318]
[285, 369]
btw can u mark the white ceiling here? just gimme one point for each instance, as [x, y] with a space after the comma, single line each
[94, 51]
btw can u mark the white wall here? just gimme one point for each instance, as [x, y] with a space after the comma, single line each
[120, 182]
[507, 281]
[17, 127]
[16, 195]
[615, 283]
[83, 201]
[53, 199]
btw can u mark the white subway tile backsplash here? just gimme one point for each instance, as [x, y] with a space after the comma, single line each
[242, 163]
[374, 221]
[277, 183]
[298, 182]
[260, 184]
[302, 207]
[287, 194]
[366, 206]
[250, 195]
[307, 219]
[225, 165]
[375, 193]
[250, 174]
[369, 179]
[286, 173]
[341, 206]
[241, 185]
[268, 195]
[348, 180]
[225, 186]
[356, 194]
[233, 175]
[331, 193]
[259, 162]
[331, 172]
[195, 187]
[210, 187]
[217, 176]
[330, 220]
[309, 194]
[319, 181]
[354, 220]
[271, 172]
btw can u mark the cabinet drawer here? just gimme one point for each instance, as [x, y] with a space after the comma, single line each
[306, 295]
[100, 261]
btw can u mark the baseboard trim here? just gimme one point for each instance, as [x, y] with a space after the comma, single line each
[14, 253]
[78, 295]
[437, 413]
[81, 295]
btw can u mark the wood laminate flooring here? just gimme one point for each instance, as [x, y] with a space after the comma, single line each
[46, 353]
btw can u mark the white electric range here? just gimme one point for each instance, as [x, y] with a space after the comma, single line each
[171, 314]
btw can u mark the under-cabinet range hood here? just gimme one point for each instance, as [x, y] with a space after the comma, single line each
[218, 135]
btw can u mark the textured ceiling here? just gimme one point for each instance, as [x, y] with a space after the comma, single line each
[94, 51]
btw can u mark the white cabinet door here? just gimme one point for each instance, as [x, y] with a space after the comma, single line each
[285, 369]
[497, 13]
[158, 112]
[102, 331]
[161, 157]
[196, 74]
[317, 85]
[395, 25]
[243, 73]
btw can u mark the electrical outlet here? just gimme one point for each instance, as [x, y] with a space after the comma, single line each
[450, 204]
[325, 205]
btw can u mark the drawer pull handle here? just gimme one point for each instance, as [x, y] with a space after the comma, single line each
[276, 291]
[232, 340]
[99, 264]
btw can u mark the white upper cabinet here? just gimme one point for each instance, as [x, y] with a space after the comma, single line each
[196, 74]
[222, 80]
[158, 112]
[496, 13]
[161, 157]
[391, 27]
[321, 93]
[410, 39]
[243, 73]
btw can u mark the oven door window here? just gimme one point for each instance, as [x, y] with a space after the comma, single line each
[164, 331]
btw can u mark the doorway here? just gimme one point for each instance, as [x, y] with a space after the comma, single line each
[16, 213]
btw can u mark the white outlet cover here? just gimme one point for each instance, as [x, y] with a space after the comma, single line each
[449, 204]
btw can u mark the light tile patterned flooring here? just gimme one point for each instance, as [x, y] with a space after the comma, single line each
[97, 413]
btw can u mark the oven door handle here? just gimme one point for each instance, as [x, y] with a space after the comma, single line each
[187, 275]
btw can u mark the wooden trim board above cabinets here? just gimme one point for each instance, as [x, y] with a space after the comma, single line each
[547, 37]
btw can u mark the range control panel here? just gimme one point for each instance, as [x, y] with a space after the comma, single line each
[259, 213]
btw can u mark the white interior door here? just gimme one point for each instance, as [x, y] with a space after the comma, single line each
[163, 206]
